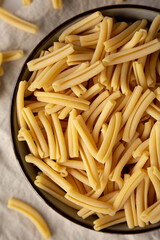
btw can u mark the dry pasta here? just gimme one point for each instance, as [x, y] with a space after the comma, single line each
[26, 2]
[32, 214]
[58, 4]
[92, 120]
[17, 22]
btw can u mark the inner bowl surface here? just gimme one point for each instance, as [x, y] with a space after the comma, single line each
[120, 12]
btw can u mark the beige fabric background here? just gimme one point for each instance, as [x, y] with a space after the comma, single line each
[13, 226]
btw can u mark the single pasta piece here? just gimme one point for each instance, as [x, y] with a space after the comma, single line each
[17, 22]
[57, 4]
[139, 74]
[107, 221]
[20, 103]
[124, 78]
[154, 145]
[154, 179]
[12, 55]
[140, 202]
[78, 164]
[151, 70]
[81, 57]
[32, 214]
[128, 207]
[85, 135]
[88, 37]
[62, 99]
[74, 151]
[50, 58]
[147, 129]
[26, 2]
[103, 35]
[132, 54]
[115, 80]
[82, 25]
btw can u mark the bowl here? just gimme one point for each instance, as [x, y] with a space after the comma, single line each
[120, 12]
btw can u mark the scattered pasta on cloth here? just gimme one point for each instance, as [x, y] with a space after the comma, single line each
[90, 114]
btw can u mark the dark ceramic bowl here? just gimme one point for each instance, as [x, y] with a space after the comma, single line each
[120, 12]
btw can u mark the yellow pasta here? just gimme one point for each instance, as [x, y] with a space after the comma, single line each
[90, 166]
[49, 131]
[28, 138]
[82, 25]
[107, 221]
[128, 188]
[155, 180]
[151, 213]
[60, 169]
[85, 135]
[102, 118]
[12, 55]
[79, 77]
[20, 103]
[90, 115]
[58, 4]
[89, 203]
[50, 58]
[32, 214]
[26, 2]
[133, 53]
[62, 99]
[110, 138]
[124, 36]
[57, 178]
[31, 121]
[103, 35]
[17, 22]
[60, 137]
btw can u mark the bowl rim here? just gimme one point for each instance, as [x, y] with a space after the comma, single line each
[23, 68]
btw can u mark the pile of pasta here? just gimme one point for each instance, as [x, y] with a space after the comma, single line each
[90, 114]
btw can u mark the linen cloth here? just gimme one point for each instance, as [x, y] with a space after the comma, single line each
[14, 226]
